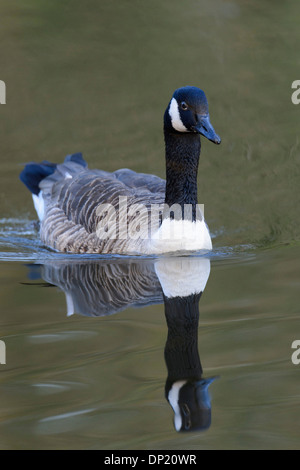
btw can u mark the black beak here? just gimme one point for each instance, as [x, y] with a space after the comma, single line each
[205, 128]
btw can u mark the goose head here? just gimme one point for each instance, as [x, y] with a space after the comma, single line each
[187, 112]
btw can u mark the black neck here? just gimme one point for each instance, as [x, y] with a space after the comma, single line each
[182, 160]
[181, 350]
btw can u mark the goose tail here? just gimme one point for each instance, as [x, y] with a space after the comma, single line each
[34, 173]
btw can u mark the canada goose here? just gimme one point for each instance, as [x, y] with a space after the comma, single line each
[93, 211]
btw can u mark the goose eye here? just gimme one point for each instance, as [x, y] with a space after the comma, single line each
[183, 105]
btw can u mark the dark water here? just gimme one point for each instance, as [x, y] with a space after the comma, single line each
[97, 80]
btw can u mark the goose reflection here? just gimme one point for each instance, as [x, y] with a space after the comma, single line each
[107, 287]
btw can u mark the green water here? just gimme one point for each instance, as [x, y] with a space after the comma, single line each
[96, 78]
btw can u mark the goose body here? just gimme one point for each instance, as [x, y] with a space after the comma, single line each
[92, 211]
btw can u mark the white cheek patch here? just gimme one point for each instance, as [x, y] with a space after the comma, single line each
[171, 273]
[175, 117]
